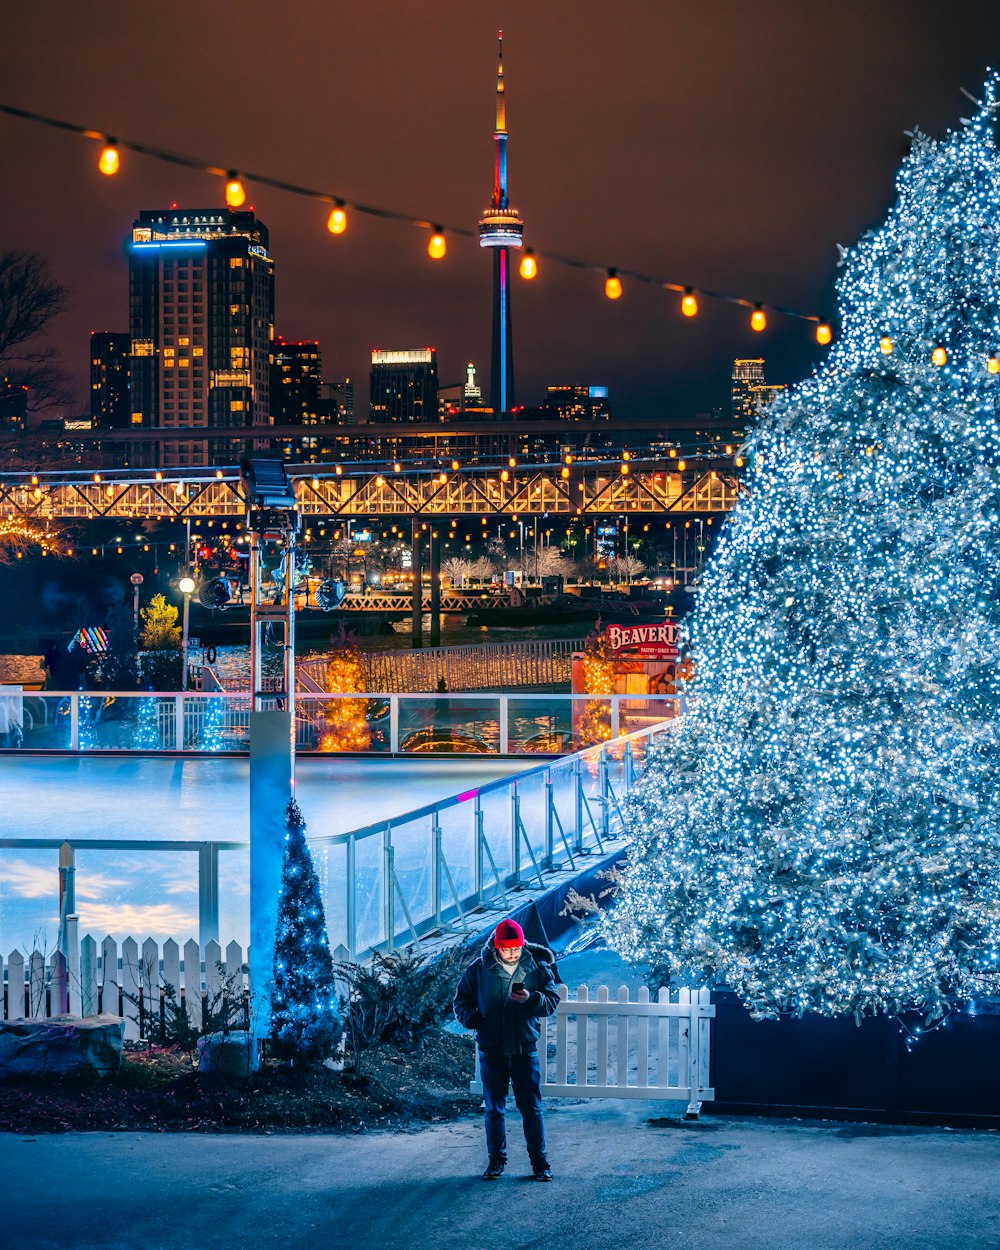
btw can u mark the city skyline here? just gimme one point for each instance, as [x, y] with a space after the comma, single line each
[732, 171]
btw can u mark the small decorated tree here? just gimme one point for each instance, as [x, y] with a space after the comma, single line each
[594, 724]
[345, 721]
[305, 1023]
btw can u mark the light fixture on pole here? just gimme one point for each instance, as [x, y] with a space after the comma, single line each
[186, 587]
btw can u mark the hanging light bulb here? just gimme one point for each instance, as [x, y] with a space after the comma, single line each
[823, 334]
[758, 319]
[108, 162]
[885, 345]
[689, 304]
[939, 357]
[993, 365]
[336, 223]
[529, 266]
[613, 285]
[436, 244]
[235, 194]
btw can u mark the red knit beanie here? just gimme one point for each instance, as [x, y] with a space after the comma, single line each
[508, 935]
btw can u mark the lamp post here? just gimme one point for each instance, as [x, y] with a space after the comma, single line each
[186, 587]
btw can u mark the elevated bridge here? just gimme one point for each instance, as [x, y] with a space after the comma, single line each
[584, 488]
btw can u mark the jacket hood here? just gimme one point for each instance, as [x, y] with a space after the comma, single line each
[541, 954]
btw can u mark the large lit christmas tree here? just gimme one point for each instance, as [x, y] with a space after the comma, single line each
[821, 832]
[305, 1023]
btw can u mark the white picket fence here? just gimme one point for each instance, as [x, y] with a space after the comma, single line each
[619, 1048]
[96, 979]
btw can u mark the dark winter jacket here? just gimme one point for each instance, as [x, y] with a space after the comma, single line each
[483, 1001]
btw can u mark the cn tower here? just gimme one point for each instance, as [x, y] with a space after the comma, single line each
[500, 228]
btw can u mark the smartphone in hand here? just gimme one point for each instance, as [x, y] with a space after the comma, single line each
[517, 987]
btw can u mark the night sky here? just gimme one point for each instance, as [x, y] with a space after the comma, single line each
[723, 144]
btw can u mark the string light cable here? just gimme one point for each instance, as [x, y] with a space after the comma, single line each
[109, 164]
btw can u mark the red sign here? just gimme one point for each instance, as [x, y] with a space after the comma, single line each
[654, 642]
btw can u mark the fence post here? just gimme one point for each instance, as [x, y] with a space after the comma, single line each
[549, 800]
[436, 878]
[208, 893]
[515, 819]
[352, 900]
[74, 722]
[578, 774]
[179, 719]
[504, 725]
[615, 716]
[67, 892]
[477, 819]
[394, 724]
[605, 793]
[390, 872]
[73, 983]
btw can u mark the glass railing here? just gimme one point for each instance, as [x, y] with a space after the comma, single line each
[405, 724]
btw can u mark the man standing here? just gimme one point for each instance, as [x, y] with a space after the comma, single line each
[503, 995]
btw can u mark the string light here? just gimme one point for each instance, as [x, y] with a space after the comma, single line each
[758, 319]
[528, 267]
[824, 334]
[993, 365]
[437, 245]
[613, 285]
[885, 345]
[235, 193]
[336, 221]
[689, 304]
[939, 357]
[108, 162]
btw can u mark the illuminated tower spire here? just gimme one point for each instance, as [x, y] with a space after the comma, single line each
[500, 228]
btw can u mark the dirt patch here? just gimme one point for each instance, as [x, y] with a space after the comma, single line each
[157, 1090]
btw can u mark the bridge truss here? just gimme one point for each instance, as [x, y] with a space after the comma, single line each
[587, 489]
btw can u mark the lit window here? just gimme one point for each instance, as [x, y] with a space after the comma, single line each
[184, 364]
[237, 405]
[168, 364]
[184, 342]
[197, 351]
[137, 418]
[236, 262]
[168, 351]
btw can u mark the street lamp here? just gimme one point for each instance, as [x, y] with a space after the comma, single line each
[186, 587]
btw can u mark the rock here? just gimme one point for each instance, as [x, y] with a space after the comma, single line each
[62, 1046]
[228, 1056]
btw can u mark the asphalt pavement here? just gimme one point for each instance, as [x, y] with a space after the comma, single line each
[626, 1175]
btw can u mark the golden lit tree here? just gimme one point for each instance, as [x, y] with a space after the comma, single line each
[598, 678]
[18, 537]
[160, 631]
[345, 722]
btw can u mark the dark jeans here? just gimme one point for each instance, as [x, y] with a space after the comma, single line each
[523, 1072]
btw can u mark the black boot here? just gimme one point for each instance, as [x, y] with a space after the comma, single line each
[494, 1169]
[541, 1171]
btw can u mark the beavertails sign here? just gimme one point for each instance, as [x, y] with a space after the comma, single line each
[654, 642]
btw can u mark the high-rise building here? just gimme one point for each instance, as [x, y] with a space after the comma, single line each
[404, 386]
[746, 375]
[109, 380]
[500, 229]
[296, 376]
[13, 406]
[201, 319]
[577, 403]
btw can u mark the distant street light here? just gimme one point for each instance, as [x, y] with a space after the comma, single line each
[186, 587]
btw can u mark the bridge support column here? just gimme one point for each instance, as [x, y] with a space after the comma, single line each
[417, 548]
[434, 552]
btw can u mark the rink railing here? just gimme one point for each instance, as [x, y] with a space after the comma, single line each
[392, 883]
[198, 722]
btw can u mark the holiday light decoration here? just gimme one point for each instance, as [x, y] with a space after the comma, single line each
[437, 245]
[598, 676]
[822, 831]
[345, 723]
[528, 267]
[613, 285]
[336, 222]
[689, 304]
[305, 1023]
[18, 537]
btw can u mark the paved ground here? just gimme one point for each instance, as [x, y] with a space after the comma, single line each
[624, 1178]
